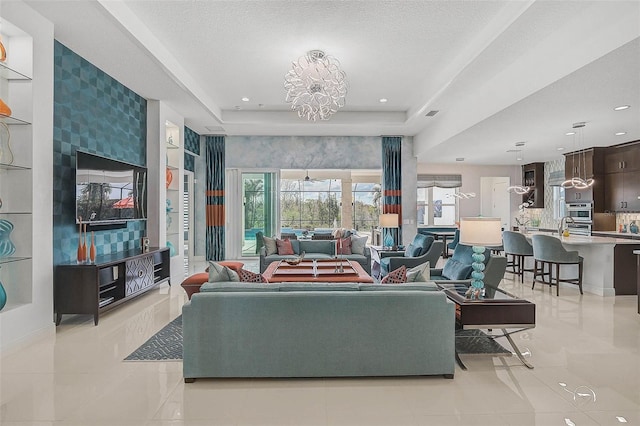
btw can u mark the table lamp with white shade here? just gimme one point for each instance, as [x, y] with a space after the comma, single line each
[389, 221]
[479, 232]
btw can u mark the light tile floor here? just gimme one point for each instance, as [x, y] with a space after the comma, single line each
[581, 343]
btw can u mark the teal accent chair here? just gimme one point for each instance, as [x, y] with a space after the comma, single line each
[422, 249]
[550, 254]
[518, 248]
[452, 245]
[457, 271]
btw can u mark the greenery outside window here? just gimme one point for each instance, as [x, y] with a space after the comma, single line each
[309, 204]
[366, 205]
[437, 206]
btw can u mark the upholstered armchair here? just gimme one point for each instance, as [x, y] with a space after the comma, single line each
[457, 270]
[422, 249]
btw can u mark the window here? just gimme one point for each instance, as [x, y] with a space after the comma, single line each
[437, 206]
[366, 205]
[306, 205]
[558, 203]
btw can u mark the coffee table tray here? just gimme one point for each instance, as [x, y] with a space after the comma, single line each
[306, 267]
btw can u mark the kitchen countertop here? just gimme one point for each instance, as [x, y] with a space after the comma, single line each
[617, 234]
[583, 239]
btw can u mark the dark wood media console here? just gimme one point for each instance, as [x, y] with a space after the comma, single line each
[93, 288]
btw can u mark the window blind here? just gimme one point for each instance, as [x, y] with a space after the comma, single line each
[441, 181]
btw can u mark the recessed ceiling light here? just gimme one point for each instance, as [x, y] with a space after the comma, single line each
[621, 419]
[621, 133]
[621, 107]
[560, 148]
[570, 133]
[383, 100]
[518, 158]
[245, 99]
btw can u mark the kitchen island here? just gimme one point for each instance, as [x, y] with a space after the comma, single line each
[609, 263]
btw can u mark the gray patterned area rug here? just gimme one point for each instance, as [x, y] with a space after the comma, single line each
[477, 342]
[165, 345]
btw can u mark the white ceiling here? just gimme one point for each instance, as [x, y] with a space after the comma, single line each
[499, 72]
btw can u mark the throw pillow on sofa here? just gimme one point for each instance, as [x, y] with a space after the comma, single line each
[344, 246]
[397, 276]
[284, 247]
[270, 245]
[420, 273]
[220, 273]
[250, 277]
[358, 244]
[455, 270]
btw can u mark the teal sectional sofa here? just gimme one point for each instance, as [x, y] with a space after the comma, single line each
[316, 249]
[318, 330]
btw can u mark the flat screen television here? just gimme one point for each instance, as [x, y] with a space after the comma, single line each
[109, 191]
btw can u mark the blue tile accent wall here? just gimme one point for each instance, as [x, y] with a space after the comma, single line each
[93, 113]
[191, 141]
[189, 162]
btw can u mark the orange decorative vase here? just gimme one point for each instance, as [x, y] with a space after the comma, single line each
[92, 250]
[169, 177]
[80, 252]
[3, 52]
[4, 109]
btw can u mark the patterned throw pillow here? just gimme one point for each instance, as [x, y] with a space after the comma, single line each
[250, 277]
[397, 276]
[284, 247]
[344, 246]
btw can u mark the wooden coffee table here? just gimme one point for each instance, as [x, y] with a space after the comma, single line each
[316, 271]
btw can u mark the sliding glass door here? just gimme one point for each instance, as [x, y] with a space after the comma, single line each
[259, 209]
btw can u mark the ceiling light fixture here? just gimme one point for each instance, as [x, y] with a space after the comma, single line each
[316, 86]
[621, 133]
[460, 159]
[621, 107]
[577, 180]
[383, 100]
[560, 148]
[245, 99]
[518, 189]
[570, 133]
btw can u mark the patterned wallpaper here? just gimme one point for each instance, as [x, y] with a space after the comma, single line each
[93, 113]
[546, 214]
[191, 149]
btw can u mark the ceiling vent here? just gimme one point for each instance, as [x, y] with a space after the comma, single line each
[432, 113]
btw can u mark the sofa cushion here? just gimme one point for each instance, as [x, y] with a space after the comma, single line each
[358, 244]
[250, 277]
[284, 247]
[419, 273]
[463, 254]
[219, 273]
[456, 270]
[396, 276]
[318, 286]
[426, 286]
[408, 251]
[295, 244]
[318, 246]
[270, 245]
[344, 246]
[236, 286]
[422, 243]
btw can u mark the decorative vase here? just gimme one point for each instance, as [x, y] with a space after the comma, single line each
[633, 228]
[6, 154]
[6, 246]
[169, 175]
[172, 249]
[3, 296]
[79, 256]
[84, 244]
[3, 57]
[92, 250]
[4, 109]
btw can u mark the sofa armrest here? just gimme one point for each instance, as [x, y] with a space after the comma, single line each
[391, 254]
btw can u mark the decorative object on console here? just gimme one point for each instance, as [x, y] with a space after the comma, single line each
[633, 228]
[316, 86]
[4, 109]
[6, 154]
[80, 256]
[577, 180]
[389, 221]
[169, 176]
[295, 260]
[479, 232]
[172, 249]
[92, 250]
[6, 246]
[84, 244]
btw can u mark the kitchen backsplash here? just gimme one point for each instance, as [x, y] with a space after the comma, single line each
[626, 218]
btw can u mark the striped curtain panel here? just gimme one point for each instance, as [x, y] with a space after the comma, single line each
[392, 182]
[215, 198]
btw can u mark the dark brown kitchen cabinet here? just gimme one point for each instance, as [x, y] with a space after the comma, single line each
[585, 163]
[622, 191]
[533, 177]
[622, 158]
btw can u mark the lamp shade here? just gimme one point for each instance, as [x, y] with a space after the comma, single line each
[481, 231]
[389, 220]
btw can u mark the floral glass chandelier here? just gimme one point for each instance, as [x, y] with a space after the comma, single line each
[577, 180]
[316, 86]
